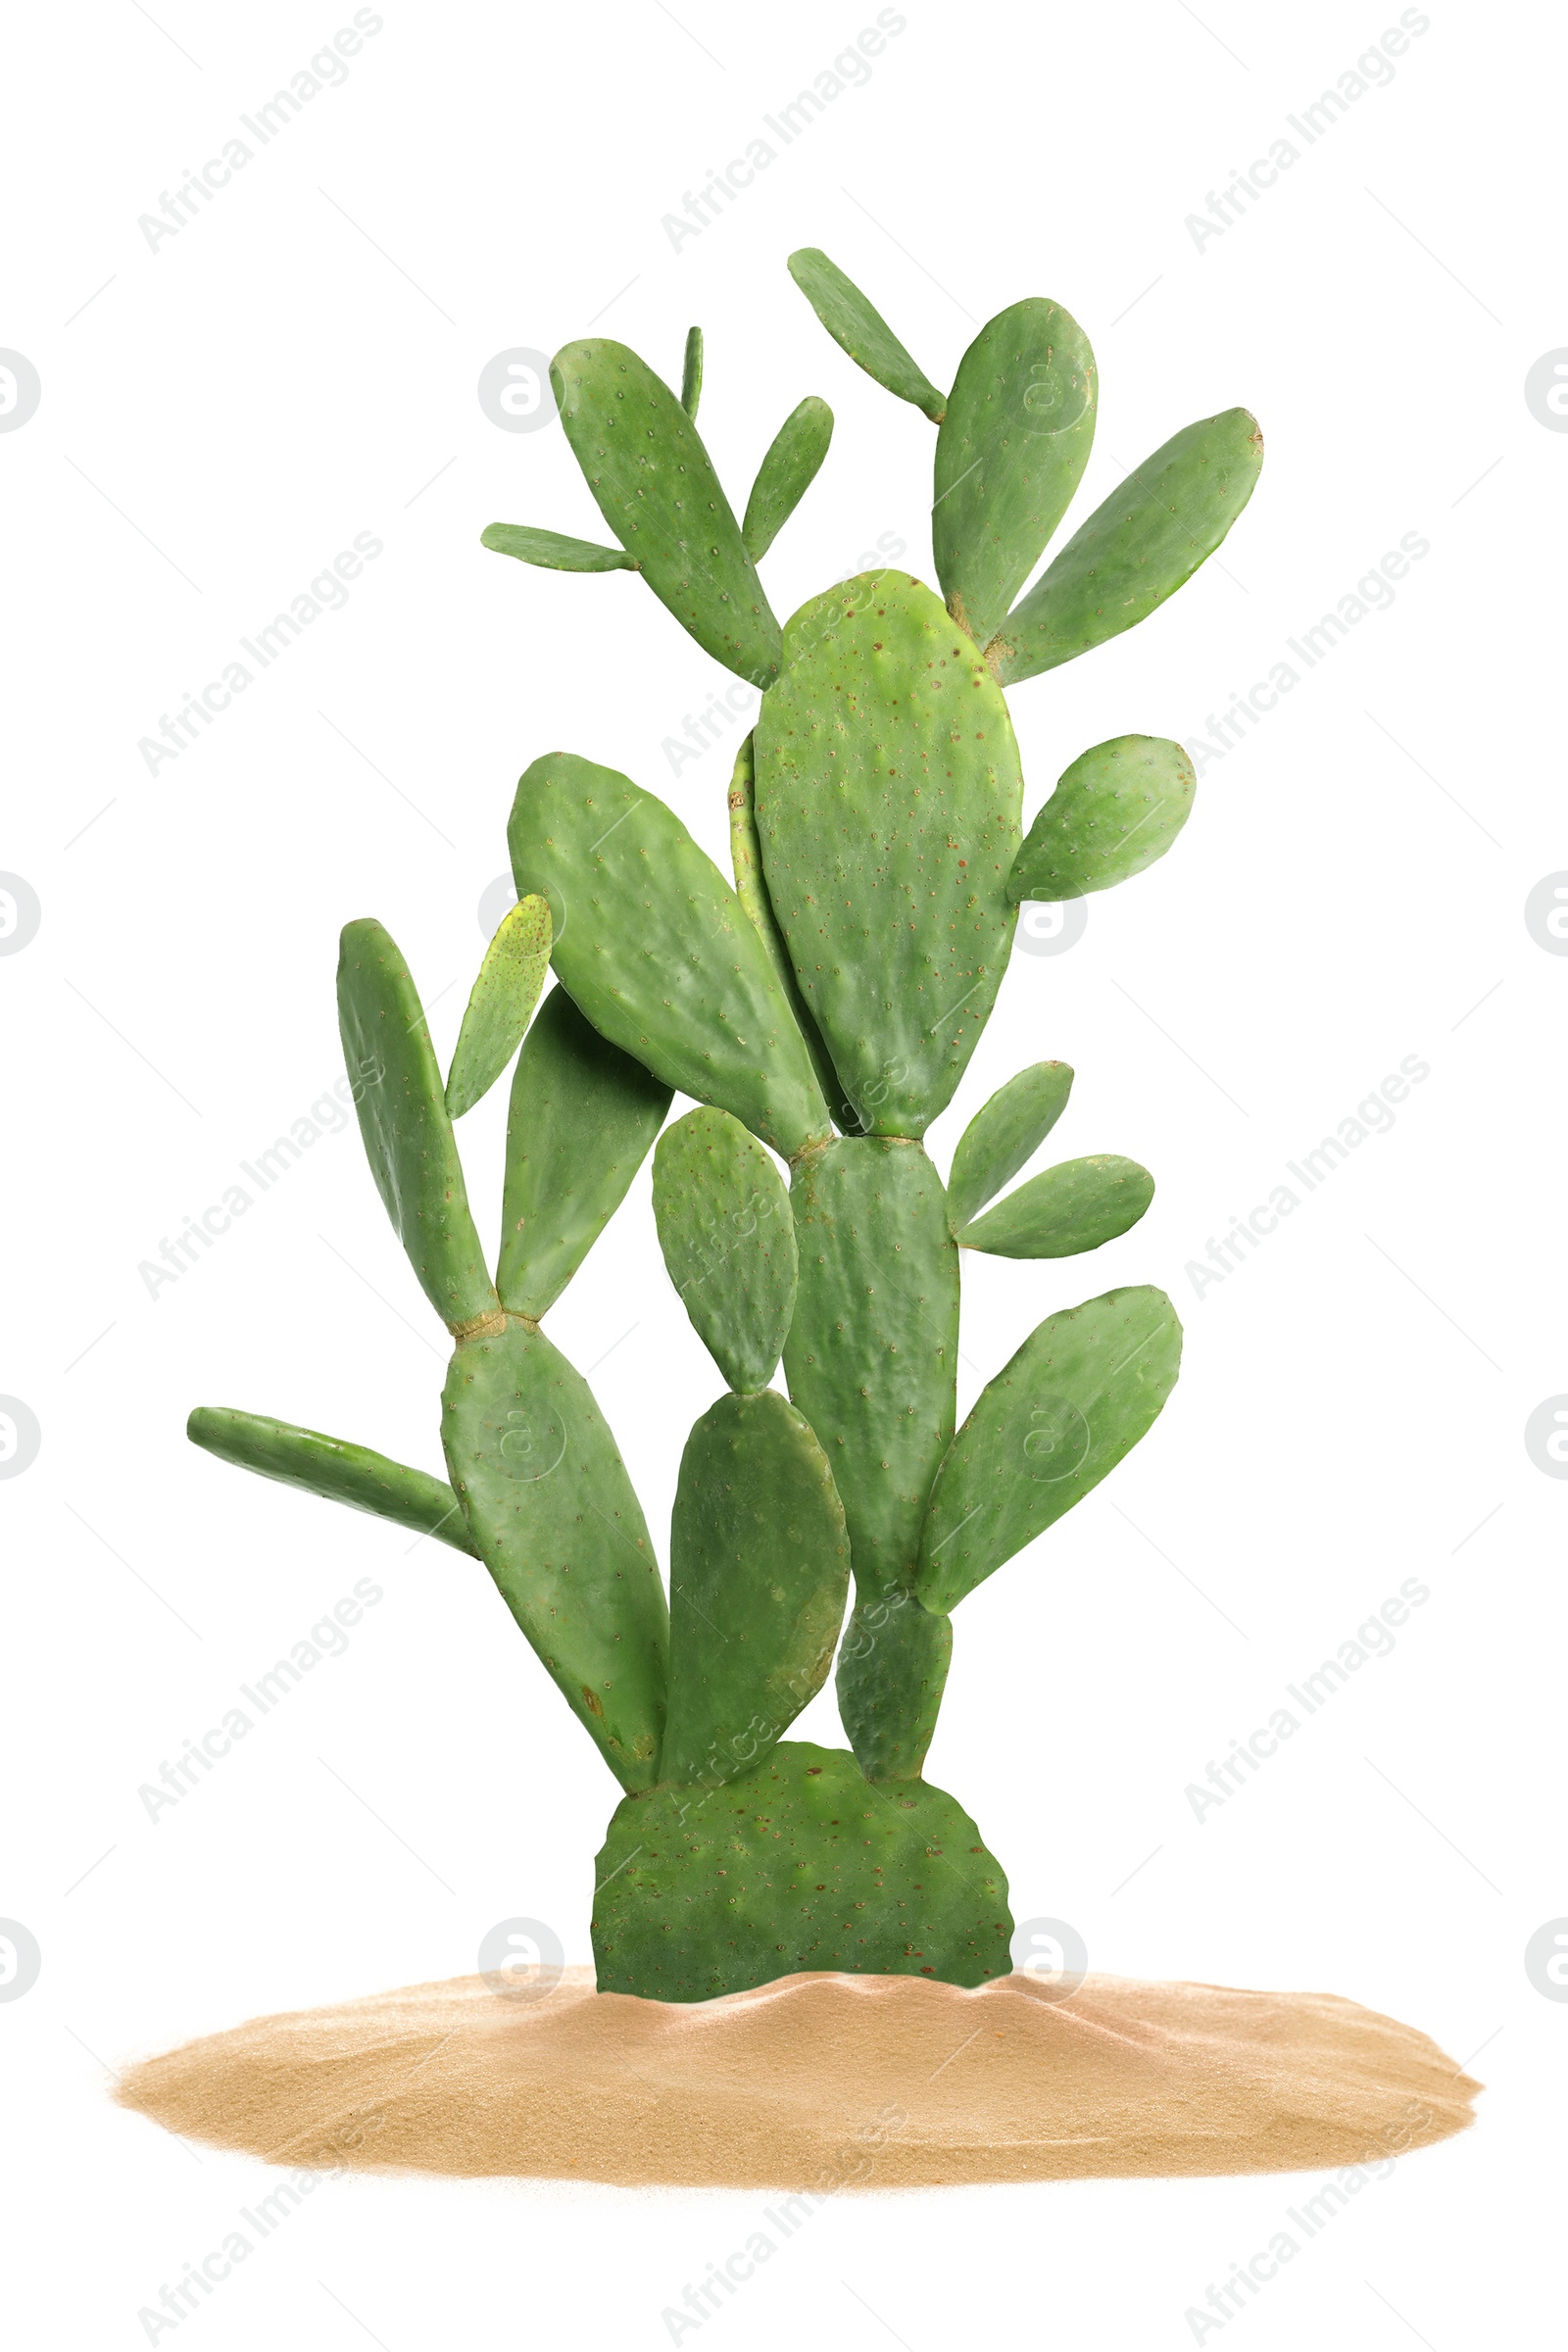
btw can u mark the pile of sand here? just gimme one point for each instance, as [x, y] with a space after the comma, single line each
[817, 2082]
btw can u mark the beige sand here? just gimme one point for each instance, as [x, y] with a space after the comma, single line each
[817, 2082]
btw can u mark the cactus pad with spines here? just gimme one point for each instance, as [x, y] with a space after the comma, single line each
[800, 1865]
[657, 950]
[860, 329]
[759, 1572]
[1077, 1396]
[874, 820]
[655, 484]
[888, 808]
[1137, 548]
[554, 1518]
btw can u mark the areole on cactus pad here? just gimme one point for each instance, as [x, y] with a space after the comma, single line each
[818, 1013]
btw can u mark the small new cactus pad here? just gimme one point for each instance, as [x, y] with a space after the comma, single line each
[725, 1229]
[582, 1121]
[1005, 1134]
[1116, 810]
[1011, 451]
[406, 1127]
[355, 1475]
[862, 331]
[655, 485]
[1077, 1206]
[501, 1003]
[818, 1017]
[793, 462]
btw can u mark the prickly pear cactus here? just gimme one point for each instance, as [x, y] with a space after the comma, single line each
[818, 1015]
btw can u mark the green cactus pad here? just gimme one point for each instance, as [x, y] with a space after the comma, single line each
[787, 471]
[1137, 549]
[862, 331]
[759, 1575]
[657, 489]
[1067, 1209]
[352, 1474]
[554, 1518]
[657, 950]
[1079, 1394]
[552, 550]
[1004, 1134]
[691, 374]
[871, 1354]
[404, 1124]
[501, 1004]
[892, 1671]
[888, 804]
[1011, 452]
[728, 1240]
[751, 888]
[1116, 810]
[582, 1121]
[800, 1865]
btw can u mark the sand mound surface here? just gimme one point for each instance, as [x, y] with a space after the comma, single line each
[815, 2082]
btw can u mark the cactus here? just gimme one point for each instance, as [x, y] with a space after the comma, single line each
[819, 1014]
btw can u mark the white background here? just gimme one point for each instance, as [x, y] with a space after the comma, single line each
[299, 365]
